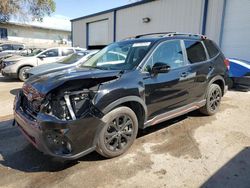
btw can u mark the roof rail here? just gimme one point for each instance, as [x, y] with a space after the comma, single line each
[158, 33]
[185, 34]
[168, 34]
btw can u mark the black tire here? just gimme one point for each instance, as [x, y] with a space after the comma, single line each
[115, 140]
[213, 100]
[21, 73]
[230, 83]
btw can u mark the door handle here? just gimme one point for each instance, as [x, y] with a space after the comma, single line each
[184, 74]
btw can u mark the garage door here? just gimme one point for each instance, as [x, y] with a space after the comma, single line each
[236, 30]
[98, 33]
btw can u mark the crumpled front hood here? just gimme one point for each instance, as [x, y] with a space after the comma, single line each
[45, 83]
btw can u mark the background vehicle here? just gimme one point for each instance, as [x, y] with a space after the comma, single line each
[16, 68]
[101, 106]
[70, 61]
[11, 48]
[239, 73]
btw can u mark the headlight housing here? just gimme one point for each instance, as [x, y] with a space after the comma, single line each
[8, 63]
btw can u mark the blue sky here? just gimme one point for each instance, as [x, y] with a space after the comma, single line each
[77, 8]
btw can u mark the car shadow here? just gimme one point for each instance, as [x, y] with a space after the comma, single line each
[6, 79]
[17, 153]
[15, 91]
[235, 173]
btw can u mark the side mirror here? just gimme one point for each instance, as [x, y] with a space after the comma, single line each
[41, 56]
[160, 68]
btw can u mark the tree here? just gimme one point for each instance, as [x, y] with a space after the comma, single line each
[26, 9]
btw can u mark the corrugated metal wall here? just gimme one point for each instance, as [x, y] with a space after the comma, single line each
[165, 15]
[214, 19]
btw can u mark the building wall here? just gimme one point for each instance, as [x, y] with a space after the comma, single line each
[214, 19]
[79, 28]
[165, 15]
[35, 37]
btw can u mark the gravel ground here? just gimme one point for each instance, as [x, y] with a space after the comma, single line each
[189, 151]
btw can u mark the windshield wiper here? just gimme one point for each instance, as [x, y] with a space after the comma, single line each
[97, 67]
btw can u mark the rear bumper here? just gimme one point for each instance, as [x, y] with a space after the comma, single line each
[62, 139]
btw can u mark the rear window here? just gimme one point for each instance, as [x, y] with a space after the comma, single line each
[211, 48]
[195, 51]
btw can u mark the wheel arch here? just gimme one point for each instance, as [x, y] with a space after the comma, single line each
[26, 65]
[219, 80]
[135, 103]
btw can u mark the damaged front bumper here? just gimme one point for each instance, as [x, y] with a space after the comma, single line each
[64, 139]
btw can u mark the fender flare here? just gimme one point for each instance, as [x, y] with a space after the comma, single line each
[124, 100]
[216, 78]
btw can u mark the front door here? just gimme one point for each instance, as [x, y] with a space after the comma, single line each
[49, 56]
[166, 91]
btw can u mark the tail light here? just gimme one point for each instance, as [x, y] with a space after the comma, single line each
[227, 63]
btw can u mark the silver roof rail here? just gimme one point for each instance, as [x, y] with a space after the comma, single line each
[185, 34]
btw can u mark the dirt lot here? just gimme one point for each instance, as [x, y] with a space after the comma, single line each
[189, 151]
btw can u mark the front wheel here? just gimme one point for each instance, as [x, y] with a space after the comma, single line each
[213, 100]
[119, 132]
[22, 73]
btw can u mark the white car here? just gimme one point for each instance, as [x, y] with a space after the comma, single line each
[17, 67]
[68, 62]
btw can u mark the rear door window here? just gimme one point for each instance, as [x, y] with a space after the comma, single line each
[195, 51]
[211, 48]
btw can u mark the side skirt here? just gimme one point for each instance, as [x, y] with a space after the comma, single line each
[175, 113]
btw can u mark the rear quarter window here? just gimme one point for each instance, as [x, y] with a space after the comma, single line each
[211, 48]
[195, 51]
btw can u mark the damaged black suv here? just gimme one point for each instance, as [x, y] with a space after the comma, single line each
[129, 85]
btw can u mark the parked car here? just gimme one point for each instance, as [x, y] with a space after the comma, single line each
[16, 68]
[68, 62]
[239, 74]
[100, 107]
[11, 48]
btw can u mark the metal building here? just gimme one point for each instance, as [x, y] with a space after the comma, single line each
[227, 22]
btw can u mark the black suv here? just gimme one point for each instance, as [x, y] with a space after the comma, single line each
[129, 85]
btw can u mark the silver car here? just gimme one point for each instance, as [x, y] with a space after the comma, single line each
[68, 62]
[17, 67]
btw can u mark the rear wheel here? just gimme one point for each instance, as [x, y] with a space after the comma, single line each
[22, 73]
[213, 100]
[119, 132]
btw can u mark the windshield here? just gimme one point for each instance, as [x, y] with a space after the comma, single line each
[72, 58]
[119, 56]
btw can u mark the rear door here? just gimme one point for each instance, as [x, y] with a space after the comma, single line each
[199, 69]
[166, 91]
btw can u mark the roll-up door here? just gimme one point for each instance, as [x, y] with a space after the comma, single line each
[98, 33]
[236, 29]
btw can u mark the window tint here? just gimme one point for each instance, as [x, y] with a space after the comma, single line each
[51, 53]
[195, 51]
[7, 47]
[66, 52]
[169, 53]
[18, 47]
[211, 48]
